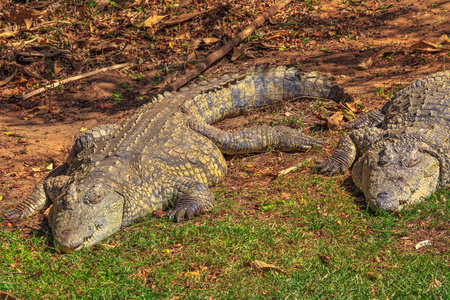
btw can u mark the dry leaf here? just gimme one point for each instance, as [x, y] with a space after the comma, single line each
[194, 45]
[423, 46]
[153, 20]
[436, 283]
[365, 64]
[40, 110]
[47, 211]
[335, 119]
[28, 23]
[444, 39]
[350, 106]
[210, 40]
[23, 13]
[422, 244]
[262, 266]
[237, 52]
[107, 246]
[194, 273]
[6, 35]
[83, 129]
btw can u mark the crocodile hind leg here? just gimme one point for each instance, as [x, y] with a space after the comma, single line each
[256, 139]
[191, 198]
[48, 187]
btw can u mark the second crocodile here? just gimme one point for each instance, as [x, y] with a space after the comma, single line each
[406, 157]
[166, 155]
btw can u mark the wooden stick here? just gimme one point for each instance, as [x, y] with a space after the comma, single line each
[201, 67]
[58, 83]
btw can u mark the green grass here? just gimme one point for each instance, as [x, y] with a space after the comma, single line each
[327, 246]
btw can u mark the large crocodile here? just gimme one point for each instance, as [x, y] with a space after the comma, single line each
[166, 154]
[406, 157]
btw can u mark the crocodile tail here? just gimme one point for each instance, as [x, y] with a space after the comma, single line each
[262, 85]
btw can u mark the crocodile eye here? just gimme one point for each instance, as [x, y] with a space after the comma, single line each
[412, 160]
[92, 198]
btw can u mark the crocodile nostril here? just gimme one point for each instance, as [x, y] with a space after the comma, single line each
[66, 231]
[383, 195]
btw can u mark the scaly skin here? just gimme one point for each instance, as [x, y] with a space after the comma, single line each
[406, 158]
[166, 155]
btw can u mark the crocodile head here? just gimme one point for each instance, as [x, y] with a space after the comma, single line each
[89, 210]
[395, 173]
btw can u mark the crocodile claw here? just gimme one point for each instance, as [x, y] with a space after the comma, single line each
[184, 210]
[338, 162]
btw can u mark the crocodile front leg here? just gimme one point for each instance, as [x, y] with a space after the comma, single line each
[38, 199]
[256, 139]
[191, 198]
[350, 146]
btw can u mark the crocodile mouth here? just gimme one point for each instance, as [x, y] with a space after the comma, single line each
[86, 241]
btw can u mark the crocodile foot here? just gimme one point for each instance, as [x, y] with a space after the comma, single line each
[338, 162]
[185, 209]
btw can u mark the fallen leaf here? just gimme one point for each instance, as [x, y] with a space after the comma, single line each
[237, 52]
[47, 211]
[423, 244]
[36, 169]
[436, 283]
[7, 34]
[262, 266]
[335, 119]
[365, 64]
[107, 246]
[28, 23]
[444, 39]
[153, 20]
[194, 273]
[423, 46]
[194, 45]
[210, 40]
[350, 106]
[83, 129]
[21, 13]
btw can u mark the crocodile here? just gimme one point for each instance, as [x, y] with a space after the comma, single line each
[166, 155]
[400, 152]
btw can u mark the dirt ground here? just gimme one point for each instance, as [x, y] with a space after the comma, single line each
[373, 48]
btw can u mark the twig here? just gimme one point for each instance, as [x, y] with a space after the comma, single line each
[58, 83]
[201, 67]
